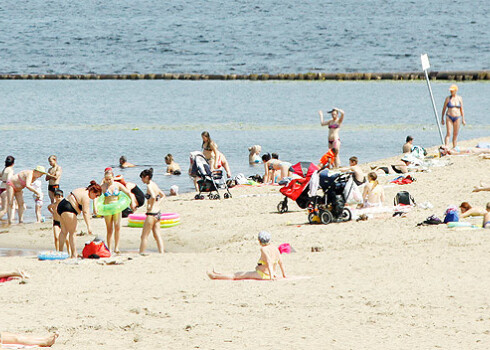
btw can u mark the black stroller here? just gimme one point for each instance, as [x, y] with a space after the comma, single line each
[210, 181]
[331, 206]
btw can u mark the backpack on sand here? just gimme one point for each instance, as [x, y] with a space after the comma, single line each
[403, 197]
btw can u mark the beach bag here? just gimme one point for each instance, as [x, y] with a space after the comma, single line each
[95, 250]
[431, 220]
[404, 198]
[451, 216]
[418, 152]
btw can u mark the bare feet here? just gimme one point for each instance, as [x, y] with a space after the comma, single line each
[50, 339]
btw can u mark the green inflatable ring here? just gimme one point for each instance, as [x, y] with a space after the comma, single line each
[112, 208]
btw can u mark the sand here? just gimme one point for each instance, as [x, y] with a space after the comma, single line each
[377, 284]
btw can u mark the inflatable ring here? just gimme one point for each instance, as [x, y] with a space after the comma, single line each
[50, 255]
[162, 224]
[112, 208]
[161, 221]
[163, 216]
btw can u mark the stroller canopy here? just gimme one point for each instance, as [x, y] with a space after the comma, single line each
[303, 169]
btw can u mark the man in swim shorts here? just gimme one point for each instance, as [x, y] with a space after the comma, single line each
[53, 177]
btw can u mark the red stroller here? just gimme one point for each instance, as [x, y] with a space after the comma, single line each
[296, 188]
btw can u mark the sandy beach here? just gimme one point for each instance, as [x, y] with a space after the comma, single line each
[377, 284]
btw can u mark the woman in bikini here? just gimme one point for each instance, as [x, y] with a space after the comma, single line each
[270, 258]
[78, 201]
[111, 190]
[16, 184]
[453, 105]
[373, 195]
[213, 156]
[333, 129]
[154, 196]
[271, 165]
[5, 176]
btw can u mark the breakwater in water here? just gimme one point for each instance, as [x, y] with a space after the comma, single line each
[452, 75]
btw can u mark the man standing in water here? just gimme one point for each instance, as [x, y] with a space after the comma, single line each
[54, 176]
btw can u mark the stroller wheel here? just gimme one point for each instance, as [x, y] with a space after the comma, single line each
[198, 197]
[282, 207]
[226, 196]
[313, 218]
[346, 215]
[326, 217]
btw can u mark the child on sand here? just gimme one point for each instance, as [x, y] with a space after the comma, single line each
[38, 200]
[270, 257]
[53, 209]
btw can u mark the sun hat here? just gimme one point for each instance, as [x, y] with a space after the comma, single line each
[264, 237]
[40, 169]
[453, 87]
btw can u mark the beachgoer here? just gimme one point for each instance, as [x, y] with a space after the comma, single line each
[407, 147]
[38, 200]
[172, 167]
[27, 340]
[13, 275]
[328, 160]
[359, 176]
[334, 125]
[254, 154]
[15, 186]
[271, 165]
[486, 217]
[467, 210]
[137, 195]
[54, 176]
[174, 190]
[154, 196]
[444, 151]
[53, 209]
[213, 156]
[481, 187]
[78, 201]
[5, 176]
[374, 194]
[111, 190]
[123, 163]
[453, 104]
[270, 258]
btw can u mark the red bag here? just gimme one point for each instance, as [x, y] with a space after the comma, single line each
[95, 250]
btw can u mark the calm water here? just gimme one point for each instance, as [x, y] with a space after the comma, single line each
[90, 124]
[118, 36]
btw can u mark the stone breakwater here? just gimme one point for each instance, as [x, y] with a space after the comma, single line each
[452, 75]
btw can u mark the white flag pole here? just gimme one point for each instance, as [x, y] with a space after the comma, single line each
[425, 66]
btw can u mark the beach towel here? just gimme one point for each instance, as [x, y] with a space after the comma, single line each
[403, 180]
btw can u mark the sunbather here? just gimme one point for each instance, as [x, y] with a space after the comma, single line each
[266, 267]
[486, 217]
[13, 275]
[482, 187]
[24, 339]
[467, 210]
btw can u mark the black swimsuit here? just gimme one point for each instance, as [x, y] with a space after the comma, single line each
[65, 206]
[359, 183]
[140, 196]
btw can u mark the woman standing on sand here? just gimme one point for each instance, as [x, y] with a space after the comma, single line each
[270, 258]
[333, 129]
[16, 184]
[154, 195]
[453, 104]
[111, 190]
[5, 176]
[213, 156]
[78, 201]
